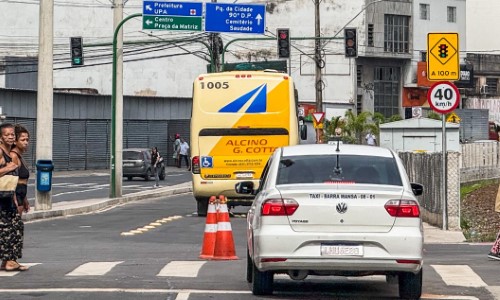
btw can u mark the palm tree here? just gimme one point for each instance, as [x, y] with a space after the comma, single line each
[357, 125]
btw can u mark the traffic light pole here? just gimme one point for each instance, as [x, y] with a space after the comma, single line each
[319, 65]
[113, 192]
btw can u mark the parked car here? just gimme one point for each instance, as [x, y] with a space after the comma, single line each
[340, 210]
[137, 163]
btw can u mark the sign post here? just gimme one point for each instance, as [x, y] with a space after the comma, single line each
[443, 97]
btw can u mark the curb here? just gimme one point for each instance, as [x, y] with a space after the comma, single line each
[91, 205]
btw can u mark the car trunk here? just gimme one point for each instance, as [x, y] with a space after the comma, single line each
[341, 208]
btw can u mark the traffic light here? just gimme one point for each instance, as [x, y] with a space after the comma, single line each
[443, 50]
[283, 43]
[76, 51]
[350, 42]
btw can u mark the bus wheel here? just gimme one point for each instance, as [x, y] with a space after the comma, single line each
[202, 205]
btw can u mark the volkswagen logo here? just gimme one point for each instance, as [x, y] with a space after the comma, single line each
[341, 207]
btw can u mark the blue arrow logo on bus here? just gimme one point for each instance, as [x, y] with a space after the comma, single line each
[258, 98]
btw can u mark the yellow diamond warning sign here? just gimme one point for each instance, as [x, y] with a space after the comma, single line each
[443, 56]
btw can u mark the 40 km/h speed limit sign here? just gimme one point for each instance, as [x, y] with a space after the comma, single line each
[443, 97]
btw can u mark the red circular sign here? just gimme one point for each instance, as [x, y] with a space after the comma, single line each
[443, 97]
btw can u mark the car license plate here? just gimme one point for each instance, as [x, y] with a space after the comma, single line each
[128, 164]
[342, 250]
[244, 175]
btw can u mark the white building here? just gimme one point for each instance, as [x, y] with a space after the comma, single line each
[391, 37]
[482, 26]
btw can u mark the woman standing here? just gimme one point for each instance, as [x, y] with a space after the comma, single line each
[21, 145]
[155, 162]
[11, 225]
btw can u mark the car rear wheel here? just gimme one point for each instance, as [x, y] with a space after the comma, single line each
[249, 267]
[202, 206]
[410, 285]
[262, 282]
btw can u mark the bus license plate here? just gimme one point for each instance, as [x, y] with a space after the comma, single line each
[244, 175]
[341, 250]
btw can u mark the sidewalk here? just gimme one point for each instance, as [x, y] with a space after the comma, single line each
[432, 235]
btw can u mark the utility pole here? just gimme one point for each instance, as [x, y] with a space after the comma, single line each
[215, 45]
[319, 66]
[116, 163]
[45, 95]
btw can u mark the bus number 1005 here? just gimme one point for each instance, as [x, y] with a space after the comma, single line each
[214, 85]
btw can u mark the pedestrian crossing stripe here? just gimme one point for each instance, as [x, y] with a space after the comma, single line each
[459, 275]
[94, 268]
[181, 269]
[10, 274]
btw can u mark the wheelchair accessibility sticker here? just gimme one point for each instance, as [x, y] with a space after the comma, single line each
[207, 162]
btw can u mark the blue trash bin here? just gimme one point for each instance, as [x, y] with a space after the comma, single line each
[44, 170]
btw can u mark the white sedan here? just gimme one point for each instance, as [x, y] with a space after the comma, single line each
[344, 210]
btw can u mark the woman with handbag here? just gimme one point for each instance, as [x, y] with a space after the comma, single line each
[21, 145]
[11, 225]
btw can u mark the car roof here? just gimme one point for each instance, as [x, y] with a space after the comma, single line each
[330, 149]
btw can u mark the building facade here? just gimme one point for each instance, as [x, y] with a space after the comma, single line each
[391, 37]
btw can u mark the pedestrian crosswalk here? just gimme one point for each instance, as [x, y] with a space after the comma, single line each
[451, 275]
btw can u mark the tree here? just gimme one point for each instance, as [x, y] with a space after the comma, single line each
[357, 125]
[433, 115]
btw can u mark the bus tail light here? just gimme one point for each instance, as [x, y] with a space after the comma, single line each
[403, 208]
[195, 163]
[279, 207]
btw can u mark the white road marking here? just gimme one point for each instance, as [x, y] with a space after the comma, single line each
[182, 296]
[181, 269]
[76, 192]
[9, 274]
[94, 268]
[459, 275]
[120, 290]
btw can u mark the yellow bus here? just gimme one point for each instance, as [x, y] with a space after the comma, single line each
[238, 119]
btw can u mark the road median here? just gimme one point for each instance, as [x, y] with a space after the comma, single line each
[75, 207]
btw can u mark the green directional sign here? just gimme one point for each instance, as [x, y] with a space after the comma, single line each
[171, 23]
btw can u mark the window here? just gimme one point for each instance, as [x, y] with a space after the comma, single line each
[425, 11]
[396, 34]
[349, 168]
[452, 14]
[386, 90]
[370, 35]
[423, 56]
[492, 86]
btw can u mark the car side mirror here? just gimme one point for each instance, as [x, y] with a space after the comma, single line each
[417, 188]
[303, 130]
[244, 187]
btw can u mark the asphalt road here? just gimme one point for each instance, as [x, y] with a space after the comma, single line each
[91, 185]
[96, 256]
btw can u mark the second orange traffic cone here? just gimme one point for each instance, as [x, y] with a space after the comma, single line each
[208, 247]
[224, 244]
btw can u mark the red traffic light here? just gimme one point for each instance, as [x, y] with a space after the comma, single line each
[283, 35]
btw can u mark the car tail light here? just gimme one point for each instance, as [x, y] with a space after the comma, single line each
[195, 163]
[408, 261]
[279, 207]
[403, 208]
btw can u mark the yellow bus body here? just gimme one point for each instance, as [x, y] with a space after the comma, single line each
[238, 119]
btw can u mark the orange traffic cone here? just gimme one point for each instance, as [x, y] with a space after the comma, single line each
[224, 244]
[208, 247]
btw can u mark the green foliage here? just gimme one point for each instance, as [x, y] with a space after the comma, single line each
[378, 118]
[469, 188]
[395, 118]
[434, 115]
[357, 125]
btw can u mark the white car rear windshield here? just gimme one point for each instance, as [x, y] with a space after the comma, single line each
[338, 168]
